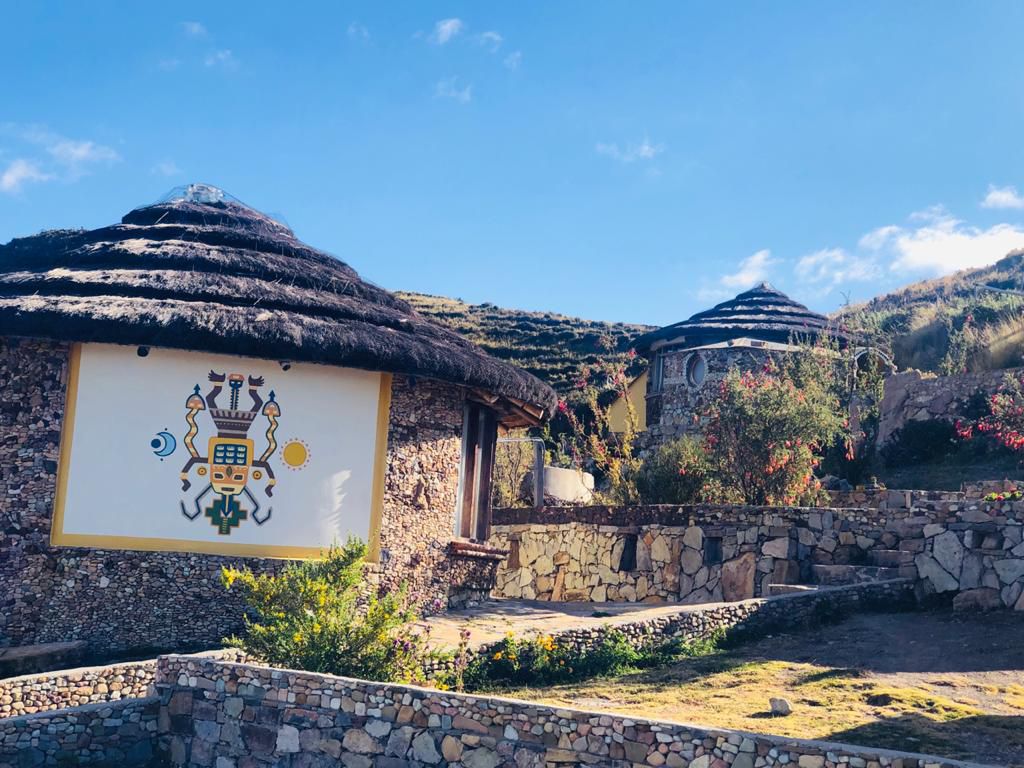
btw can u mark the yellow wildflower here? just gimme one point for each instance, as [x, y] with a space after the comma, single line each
[297, 637]
[497, 656]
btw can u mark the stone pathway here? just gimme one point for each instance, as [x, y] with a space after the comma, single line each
[493, 619]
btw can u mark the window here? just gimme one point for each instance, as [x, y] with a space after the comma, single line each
[479, 437]
[712, 550]
[696, 369]
[628, 560]
[658, 373]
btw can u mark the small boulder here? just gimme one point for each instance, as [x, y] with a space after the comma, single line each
[780, 707]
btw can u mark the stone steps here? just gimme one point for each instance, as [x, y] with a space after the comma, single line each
[789, 589]
[832, 575]
[888, 558]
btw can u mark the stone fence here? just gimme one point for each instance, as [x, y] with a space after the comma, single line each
[708, 553]
[30, 694]
[213, 713]
[122, 733]
[913, 396]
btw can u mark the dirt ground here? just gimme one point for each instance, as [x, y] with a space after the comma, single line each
[932, 682]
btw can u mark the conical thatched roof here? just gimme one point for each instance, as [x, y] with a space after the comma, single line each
[762, 313]
[201, 271]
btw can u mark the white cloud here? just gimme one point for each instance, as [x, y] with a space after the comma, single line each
[513, 60]
[357, 31]
[222, 58]
[20, 172]
[832, 266]
[445, 30]
[165, 168]
[75, 154]
[193, 29]
[449, 89]
[630, 152]
[490, 40]
[1002, 197]
[752, 270]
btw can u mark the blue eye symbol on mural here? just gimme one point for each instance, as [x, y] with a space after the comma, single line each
[163, 444]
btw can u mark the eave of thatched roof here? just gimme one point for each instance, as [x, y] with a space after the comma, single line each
[762, 313]
[221, 277]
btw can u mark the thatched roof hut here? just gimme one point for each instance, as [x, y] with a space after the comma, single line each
[763, 313]
[202, 271]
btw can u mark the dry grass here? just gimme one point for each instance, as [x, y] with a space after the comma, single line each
[976, 713]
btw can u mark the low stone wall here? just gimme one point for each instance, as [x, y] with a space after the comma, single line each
[913, 396]
[113, 734]
[709, 553]
[30, 694]
[931, 501]
[229, 714]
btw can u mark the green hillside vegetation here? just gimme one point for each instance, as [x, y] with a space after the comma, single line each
[949, 324]
[553, 347]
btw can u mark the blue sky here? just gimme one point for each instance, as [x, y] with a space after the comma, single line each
[617, 161]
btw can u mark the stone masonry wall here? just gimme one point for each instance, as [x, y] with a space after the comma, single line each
[116, 599]
[912, 396]
[121, 733]
[675, 410]
[233, 715]
[576, 553]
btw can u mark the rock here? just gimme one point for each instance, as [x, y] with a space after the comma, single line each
[780, 707]
[694, 537]
[933, 529]
[1009, 570]
[704, 761]
[776, 548]
[738, 577]
[970, 574]
[425, 750]
[659, 550]
[692, 561]
[399, 741]
[977, 600]
[948, 550]
[358, 740]
[288, 739]
[481, 758]
[929, 568]
[451, 748]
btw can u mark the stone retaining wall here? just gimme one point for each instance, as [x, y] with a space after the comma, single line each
[232, 715]
[30, 694]
[913, 396]
[113, 734]
[708, 553]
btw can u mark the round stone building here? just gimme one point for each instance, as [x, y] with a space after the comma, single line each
[195, 387]
[689, 358]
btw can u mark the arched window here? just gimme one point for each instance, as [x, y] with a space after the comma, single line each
[696, 369]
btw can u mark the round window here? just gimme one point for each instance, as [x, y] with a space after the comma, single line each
[696, 369]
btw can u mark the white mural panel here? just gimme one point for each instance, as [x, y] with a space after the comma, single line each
[197, 452]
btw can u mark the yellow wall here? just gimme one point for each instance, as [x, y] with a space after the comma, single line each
[637, 396]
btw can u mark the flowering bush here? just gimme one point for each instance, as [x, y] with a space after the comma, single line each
[1013, 495]
[592, 443]
[766, 432]
[1005, 421]
[678, 472]
[315, 615]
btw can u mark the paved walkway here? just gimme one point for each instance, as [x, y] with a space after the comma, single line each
[493, 619]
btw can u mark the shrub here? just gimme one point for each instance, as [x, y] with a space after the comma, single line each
[767, 429]
[1005, 420]
[677, 473]
[315, 615]
[921, 442]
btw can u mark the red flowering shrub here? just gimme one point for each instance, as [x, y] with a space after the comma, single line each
[767, 431]
[1005, 421]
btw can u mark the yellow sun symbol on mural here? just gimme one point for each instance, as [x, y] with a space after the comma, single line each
[295, 454]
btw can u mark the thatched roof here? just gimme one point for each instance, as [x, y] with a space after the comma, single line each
[202, 271]
[762, 313]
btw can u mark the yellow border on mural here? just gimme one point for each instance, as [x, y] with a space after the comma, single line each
[60, 539]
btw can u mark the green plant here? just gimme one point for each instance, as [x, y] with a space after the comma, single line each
[678, 472]
[315, 615]
[920, 442]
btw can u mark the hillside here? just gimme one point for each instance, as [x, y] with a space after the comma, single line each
[553, 347]
[949, 324]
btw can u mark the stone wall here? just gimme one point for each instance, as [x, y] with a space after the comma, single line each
[111, 734]
[675, 409]
[577, 553]
[116, 599]
[232, 715]
[913, 396]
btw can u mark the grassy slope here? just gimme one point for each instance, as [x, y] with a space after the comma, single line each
[553, 347]
[917, 319]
